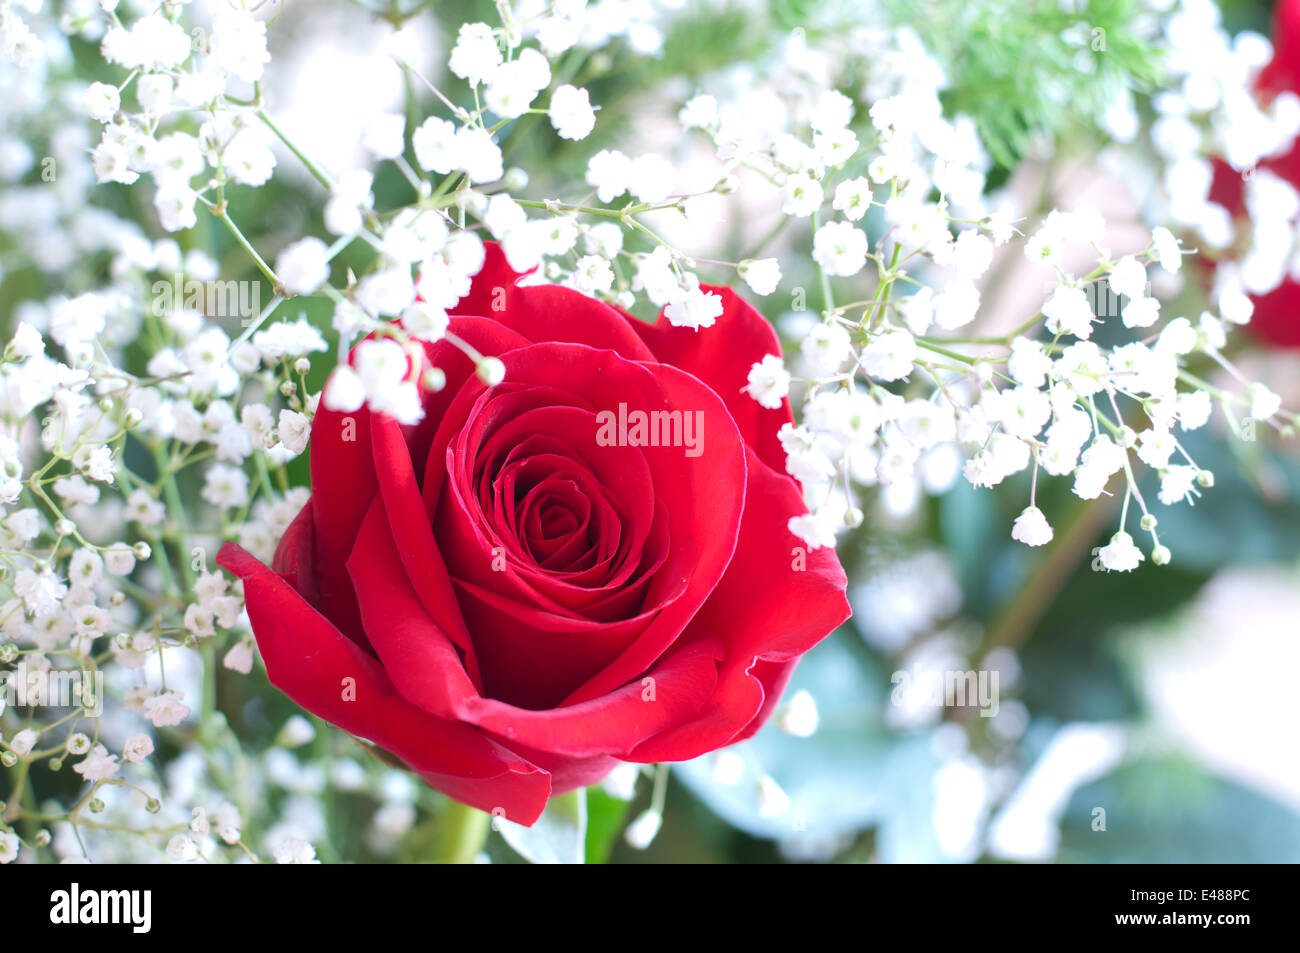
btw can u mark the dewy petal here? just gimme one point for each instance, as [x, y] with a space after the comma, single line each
[331, 676]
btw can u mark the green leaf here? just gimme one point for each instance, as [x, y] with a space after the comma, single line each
[969, 522]
[606, 816]
[851, 775]
[558, 837]
[1251, 513]
[1167, 810]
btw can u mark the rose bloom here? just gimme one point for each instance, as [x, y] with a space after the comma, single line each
[512, 596]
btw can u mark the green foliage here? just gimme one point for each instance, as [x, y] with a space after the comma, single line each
[559, 836]
[851, 775]
[1250, 515]
[1026, 70]
[1167, 810]
[606, 816]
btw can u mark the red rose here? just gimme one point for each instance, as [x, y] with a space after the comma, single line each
[525, 588]
[1277, 314]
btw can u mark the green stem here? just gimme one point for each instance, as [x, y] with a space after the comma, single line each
[312, 167]
[462, 832]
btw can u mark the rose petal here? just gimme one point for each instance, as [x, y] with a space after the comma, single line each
[319, 668]
[420, 554]
[768, 610]
[343, 484]
[722, 356]
[703, 496]
[548, 312]
[424, 667]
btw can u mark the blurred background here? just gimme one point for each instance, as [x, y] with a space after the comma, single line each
[1147, 717]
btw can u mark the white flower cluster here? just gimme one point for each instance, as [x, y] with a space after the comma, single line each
[893, 392]
[1207, 111]
[140, 424]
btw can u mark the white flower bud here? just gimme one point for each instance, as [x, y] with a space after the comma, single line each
[491, 371]
[642, 831]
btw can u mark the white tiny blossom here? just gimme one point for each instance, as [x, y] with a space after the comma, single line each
[700, 112]
[225, 486]
[294, 430]
[1128, 278]
[769, 382]
[166, 709]
[1263, 402]
[826, 347]
[476, 56]
[23, 742]
[1031, 527]
[571, 113]
[240, 657]
[136, 748]
[1140, 313]
[434, 141]
[181, 848]
[238, 43]
[800, 715]
[295, 850]
[98, 765]
[802, 196]
[694, 309]
[303, 266]
[1068, 311]
[1194, 409]
[1120, 554]
[762, 274]
[102, 101]
[610, 173]
[1167, 251]
[840, 248]
[853, 198]
[889, 356]
[641, 833]
[1177, 483]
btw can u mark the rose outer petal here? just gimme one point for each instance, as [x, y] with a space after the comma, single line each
[423, 666]
[329, 675]
[343, 484]
[722, 356]
[548, 312]
[771, 611]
